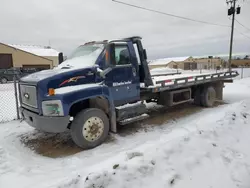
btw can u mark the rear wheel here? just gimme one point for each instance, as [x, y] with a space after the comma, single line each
[4, 80]
[208, 96]
[90, 128]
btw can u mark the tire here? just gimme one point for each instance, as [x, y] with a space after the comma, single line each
[90, 128]
[208, 96]
[4, 80]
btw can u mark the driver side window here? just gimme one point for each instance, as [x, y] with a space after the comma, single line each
[122, 55]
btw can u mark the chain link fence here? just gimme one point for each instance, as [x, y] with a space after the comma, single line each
[9, 102]
[9, 94]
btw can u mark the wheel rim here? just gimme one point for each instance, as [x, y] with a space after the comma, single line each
[4, 80]
[93, 129]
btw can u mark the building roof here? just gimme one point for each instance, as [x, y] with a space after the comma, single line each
[37, 50]
[166, 61]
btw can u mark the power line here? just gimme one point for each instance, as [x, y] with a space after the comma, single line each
[242, 25]
[168, 14]
[242, 33]
[239, 31]
[180, 17]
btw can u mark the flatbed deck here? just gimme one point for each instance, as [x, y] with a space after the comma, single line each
[169, 82]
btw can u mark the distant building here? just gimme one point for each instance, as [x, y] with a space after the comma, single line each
[27, 56]
[240, 63]
[171, 62]
[209, 63]
[188, 63]
[42, 51]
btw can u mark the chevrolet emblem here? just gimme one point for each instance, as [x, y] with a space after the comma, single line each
[26, 95]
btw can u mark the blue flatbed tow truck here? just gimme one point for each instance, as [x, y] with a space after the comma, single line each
[85, 93]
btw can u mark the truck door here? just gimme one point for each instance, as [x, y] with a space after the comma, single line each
[123, 79]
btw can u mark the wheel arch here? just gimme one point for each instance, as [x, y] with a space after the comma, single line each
[218, 85]
[197, 90]
[102, 102]
[90, 102]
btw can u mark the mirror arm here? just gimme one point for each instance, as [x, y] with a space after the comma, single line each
[103, 73]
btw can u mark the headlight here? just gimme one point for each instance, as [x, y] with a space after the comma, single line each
[52, 108]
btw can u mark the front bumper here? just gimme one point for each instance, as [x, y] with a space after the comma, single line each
[44, 123]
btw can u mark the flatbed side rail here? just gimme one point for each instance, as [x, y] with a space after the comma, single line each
[165, 74]
[192, 80]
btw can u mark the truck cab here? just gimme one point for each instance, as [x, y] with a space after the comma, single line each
[82, 93]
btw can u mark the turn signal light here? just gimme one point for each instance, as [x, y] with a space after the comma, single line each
[51, 91]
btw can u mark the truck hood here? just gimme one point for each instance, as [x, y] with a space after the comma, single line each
[70, 65]
[45, 74]
[41, 75]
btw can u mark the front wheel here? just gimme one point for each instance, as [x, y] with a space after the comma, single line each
[4, 80]
[90, 128]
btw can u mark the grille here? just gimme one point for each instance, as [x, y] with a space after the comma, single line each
[28, 95]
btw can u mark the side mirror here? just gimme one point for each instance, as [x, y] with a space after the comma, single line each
[60, 58]
[145, 54]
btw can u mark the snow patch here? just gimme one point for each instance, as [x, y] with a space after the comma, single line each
[187, 161]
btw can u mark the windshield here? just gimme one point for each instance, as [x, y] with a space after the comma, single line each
[83, 56]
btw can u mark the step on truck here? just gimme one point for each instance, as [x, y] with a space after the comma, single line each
[94, 89]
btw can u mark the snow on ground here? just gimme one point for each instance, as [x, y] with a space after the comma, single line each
[207, 154]
[209, 148]
[243, 72]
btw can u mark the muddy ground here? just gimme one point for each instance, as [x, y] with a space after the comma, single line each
[61, 145]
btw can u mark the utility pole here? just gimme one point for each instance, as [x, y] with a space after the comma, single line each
[231, 11]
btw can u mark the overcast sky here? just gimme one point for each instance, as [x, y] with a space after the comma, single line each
[69, 23]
